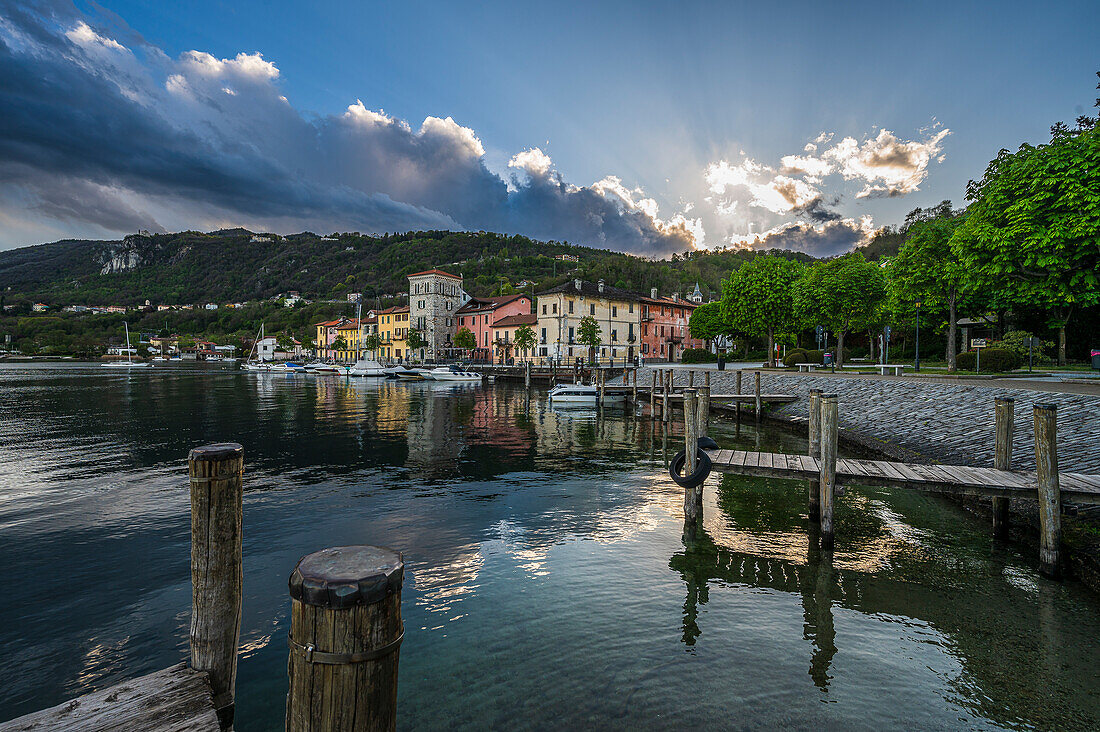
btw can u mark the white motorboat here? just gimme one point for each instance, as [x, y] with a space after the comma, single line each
[581, 395]
[286, 367]
[129, 363]
[367, 367]
[454, 373]
[159, 358]
[256, 366]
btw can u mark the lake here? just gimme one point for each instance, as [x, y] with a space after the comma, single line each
[548, 584]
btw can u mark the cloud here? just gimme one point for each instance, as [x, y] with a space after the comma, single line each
[774, 192]
[821, 240]
[889, 166]
[108, 133]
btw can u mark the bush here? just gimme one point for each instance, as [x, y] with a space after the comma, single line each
[794, 358]
[813, 356]
[1017, 342]
[697, 355]
[993, 360]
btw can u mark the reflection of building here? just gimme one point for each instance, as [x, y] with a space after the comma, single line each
[561, 309]
[393, 327]
[434, 299]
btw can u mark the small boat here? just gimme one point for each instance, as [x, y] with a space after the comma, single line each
[129, 363]
[159, 358]
[454, 373]
[366, 367]
[411, 374]
[257, 366]
[582, 395]
[261, 365]
[286, 366]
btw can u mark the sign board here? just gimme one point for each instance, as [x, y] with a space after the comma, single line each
[886, 330]
[977, 342]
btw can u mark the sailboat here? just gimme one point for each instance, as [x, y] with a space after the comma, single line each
[249, 364]
[129, 363]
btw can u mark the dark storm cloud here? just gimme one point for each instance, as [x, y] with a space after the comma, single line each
[121, 136]
[824, 240]
[817, 210]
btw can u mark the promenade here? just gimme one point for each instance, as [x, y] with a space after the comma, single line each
[924, 419]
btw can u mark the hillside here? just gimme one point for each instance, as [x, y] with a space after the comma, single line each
[224, 266]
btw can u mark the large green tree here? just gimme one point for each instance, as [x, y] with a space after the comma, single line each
[926, 271]
[708, 324]
[1032, 233]
[589, 334]
[465, 339]
[757, 298]
[842, 294]
[525, 338]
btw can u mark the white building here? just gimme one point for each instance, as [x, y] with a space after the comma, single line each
[265, 349]
[211, 306]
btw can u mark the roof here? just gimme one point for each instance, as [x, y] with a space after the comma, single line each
[439, 272]
[669, 301]
[488, 303]
[394, 309]
[510, 320]
[592, 289]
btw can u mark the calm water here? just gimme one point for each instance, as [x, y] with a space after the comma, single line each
[548, 581]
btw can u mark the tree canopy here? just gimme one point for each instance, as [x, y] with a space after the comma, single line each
[757, 298]
[843, 294]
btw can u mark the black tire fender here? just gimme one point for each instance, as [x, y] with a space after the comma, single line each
[702, 469]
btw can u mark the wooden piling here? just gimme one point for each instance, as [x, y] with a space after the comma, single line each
[1002, 460]
[345, 635]
[634, 388]
[601, 377]
[216, 473]
[827, 480]
[1050, 493]
[704, 409]
[759, 405]
[664, 396]
[653, 393]
[738, 382]
[527, 374]
[814, 451]
[693, 497]
[691, 378]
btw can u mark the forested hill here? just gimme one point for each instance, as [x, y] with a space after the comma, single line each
[228, 266]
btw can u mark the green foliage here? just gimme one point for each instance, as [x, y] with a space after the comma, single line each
[465, 339]
[697, 355]
[756, 299]
[414, 341]
[340, 344]
[1017, 342]
[843, 294]
[799, 355]
[589, 332]
[708, 323]
[372, 342]
[994, 360]
[525, 337]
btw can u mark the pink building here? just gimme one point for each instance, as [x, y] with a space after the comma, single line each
[479, 315]
[665, 327]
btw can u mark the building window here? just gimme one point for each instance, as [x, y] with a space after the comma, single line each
[555, 310]
[544, 339]
[630, 307]
[544, 309]
[614, 336]
[614, 311]
[570, 307]
[591, 309]
[570, 334]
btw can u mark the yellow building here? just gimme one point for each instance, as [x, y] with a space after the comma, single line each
[393, 327]
[560, 310]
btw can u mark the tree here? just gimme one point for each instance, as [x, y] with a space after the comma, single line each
[414, 341]
[465, 340]
[757, 298]
[708, 324]
[340, 344]
[371, 343]
[927, 272]
[1032, 233]
[525, 338]
[841, 294]
[589, 334]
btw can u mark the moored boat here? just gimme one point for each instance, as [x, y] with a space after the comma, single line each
[581, 395]
[454, 373]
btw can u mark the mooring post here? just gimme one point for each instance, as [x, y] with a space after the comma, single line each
[345, 635]
[1050, 492]
[216, 473]
[634, 388]
[653, 394]
[827, 479]
[693, 497]
[691, 378]
[1002, 460]
[601, 377]
[704, 409]
[815, 452]
[664, 396]
[759, 404]
[738, 382]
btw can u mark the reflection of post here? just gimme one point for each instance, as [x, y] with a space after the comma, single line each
[634, 388]
[664, 396]
[738, 401]
[1050, 494]
[693, 497]
[825, 631]
[1002, 460]
[756, 391]
[827, 480]
[527, 374]
[815, 452]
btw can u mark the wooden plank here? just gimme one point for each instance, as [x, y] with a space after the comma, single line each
[175, 699]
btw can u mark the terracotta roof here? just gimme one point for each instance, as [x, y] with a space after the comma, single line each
[669, 301]
[592, 289]
[510, 320]
[488, 303]
[435, 272]
[394, 309]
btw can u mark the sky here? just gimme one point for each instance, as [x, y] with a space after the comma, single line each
[645, 127]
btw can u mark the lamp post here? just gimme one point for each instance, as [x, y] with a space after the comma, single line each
[916, 361]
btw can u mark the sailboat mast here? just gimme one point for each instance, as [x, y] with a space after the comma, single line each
[129, 356]
[359, 322]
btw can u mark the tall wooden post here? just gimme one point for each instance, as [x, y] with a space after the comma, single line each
[704, 409]
[827, 478]
[345, 633]
[691, 378]
[814, 451]
[634, 388]
[653, 393]
[1050, 492]
[759, 404]
[664, 396]
[738, 382]
[216, 473]
[1002, 460]
[527, 374]
[693, 497]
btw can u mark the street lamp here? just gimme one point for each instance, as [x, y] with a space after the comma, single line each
[916, 364]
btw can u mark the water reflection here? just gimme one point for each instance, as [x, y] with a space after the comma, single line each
[545, 553]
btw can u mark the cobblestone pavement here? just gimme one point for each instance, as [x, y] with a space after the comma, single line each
[933, 421]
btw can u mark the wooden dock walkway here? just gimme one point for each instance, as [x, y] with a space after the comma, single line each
[678, 396]
[955, 479]
[175, 699]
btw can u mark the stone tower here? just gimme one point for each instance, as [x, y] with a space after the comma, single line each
[434, 297]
